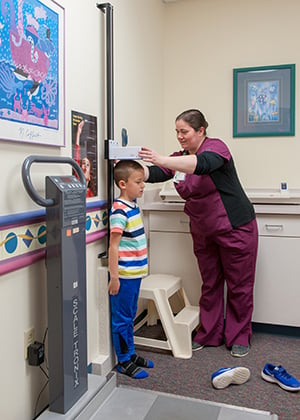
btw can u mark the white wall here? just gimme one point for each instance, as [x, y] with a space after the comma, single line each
[205, 41]
[139, 34]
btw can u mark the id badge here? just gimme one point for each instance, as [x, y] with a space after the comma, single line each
[179, 176]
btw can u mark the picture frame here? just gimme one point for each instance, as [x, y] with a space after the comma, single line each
[32, 72]
[264, 101]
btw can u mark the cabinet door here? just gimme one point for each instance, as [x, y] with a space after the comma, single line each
[172, 253]
[277, 283]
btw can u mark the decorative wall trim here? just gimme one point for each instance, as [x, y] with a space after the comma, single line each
[23, 235]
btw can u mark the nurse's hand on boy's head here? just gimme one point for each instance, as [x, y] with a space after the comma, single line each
[146, 154]
[149, 155]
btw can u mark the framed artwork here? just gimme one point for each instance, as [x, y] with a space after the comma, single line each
[32, 91]
[84, 148]
[264, 101]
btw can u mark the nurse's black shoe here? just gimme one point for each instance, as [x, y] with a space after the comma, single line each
[196, 346]
[239, 351]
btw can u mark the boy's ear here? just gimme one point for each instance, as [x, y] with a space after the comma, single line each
[122, 184]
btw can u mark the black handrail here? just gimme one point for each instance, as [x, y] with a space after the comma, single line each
[37, 198]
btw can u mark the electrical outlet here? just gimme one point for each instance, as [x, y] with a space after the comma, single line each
[28, 339]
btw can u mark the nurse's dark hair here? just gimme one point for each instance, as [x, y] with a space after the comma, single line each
[194, 118]
[124, 169]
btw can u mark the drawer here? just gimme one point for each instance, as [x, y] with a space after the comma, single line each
[279, 225]
[162, 221]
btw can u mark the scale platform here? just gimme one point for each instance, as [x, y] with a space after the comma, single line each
[105, 400]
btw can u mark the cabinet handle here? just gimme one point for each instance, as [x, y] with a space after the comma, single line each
[184, 221]
[273, 227]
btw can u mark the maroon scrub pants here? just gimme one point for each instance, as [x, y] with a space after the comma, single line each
[229, 258]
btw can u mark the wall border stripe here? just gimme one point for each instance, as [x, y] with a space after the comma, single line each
[23, 235]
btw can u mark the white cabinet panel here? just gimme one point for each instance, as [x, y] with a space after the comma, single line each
[277, 283]
[169, 222]
[279, 225]
[172, 253]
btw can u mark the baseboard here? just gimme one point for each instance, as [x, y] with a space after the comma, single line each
[103, 364]
[276, 329]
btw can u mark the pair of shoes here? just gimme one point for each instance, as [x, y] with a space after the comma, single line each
[227, 376]
[239, 351]
[132, 370]
[278, 375]
[196, 346]
[140, 361]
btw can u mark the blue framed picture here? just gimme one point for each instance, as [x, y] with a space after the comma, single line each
[264, 101]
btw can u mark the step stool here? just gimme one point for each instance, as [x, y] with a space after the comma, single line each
[158, 288]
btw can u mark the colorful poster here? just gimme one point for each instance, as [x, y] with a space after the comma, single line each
[84, 150]
[31, 72]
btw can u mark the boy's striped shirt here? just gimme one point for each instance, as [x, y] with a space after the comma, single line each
[125, 218]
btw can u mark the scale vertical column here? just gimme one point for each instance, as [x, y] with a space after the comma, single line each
[107, 8]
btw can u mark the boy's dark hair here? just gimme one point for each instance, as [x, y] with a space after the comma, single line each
[124, 168]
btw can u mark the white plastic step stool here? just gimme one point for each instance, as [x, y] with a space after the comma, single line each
[158, 288]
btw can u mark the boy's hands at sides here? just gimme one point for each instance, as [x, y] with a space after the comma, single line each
[113, 286]
[113, 263]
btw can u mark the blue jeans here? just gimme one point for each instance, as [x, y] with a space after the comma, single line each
[123, 311]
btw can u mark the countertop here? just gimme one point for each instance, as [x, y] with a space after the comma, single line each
[274, 203]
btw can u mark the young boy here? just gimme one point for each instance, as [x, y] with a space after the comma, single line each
[128, 263]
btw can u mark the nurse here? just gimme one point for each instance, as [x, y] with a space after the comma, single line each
[223, 228]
